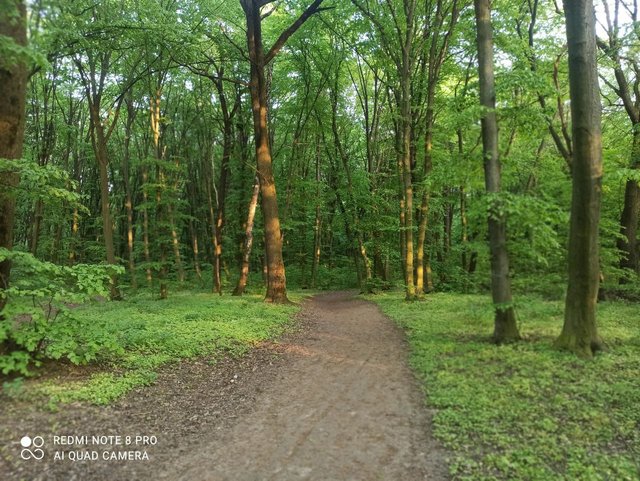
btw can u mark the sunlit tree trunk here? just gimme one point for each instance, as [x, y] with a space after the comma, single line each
[154, 111]
[276, 280]
[248, 241]
[145, 226]
[580, 332]
[128, 194]
[506, 328]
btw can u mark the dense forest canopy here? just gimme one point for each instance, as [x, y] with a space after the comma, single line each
[229, 144]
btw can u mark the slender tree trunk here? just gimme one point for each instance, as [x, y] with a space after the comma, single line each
[196, 250]
[128, 195]
[506, 328]
[38, 213]
[100, 148]
[580, 332]
[248, 240]
[407, 183]
[317, 225]
[464, 235]
[13, 85]
[175, 243]
[221, 191]
[145, 227]
[75, 226]
[424, 204]
[154, 109]
[628, 242]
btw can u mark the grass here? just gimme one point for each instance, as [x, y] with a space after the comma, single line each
[526, 411]
[140, 335]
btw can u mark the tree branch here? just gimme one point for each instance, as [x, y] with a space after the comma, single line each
[284, 36]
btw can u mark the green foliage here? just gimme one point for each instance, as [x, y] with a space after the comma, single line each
[526, 411]
[39, 320]
[134, 338]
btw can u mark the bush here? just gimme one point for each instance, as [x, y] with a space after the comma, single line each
[38, 320]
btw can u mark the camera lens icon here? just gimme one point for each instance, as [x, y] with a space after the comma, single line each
[31, 448]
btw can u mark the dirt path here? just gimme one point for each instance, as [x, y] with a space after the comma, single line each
[335, 401]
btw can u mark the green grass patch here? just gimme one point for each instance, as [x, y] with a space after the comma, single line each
[139, 335]
[526, 411]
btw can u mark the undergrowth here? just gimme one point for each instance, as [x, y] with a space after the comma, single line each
[134, 338]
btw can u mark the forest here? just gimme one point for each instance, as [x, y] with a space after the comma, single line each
[179, 179]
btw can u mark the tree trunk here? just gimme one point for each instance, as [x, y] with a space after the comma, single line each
[221, 191]
[248, 241]
[276, 280]
[100, 148]
[317, 225]
[407, 184]
[128, 195]
[505, 328]
[145, 226]
[13, 84]
[580, 333]
[628, 242]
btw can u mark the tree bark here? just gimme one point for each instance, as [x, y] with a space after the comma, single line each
[628, 242]
[276, 279]
[128, 194]
[579, 332]
[13, 84]
[248, 241]
[100, 148]
[505, 326]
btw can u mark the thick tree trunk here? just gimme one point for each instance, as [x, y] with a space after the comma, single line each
[13, 84]
[580, 333]
[276, 280]
[505, 326]
[248, 241]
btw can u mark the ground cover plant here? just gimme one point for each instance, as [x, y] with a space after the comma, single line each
[526, 410]
[131, 339]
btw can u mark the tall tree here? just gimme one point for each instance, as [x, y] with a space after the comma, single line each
[13, 83]
[580, 332]
[276, 280]
[505, 326]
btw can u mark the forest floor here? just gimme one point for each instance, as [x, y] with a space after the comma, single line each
[332, 400]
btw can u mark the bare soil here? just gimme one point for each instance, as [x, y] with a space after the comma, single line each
[332, 401]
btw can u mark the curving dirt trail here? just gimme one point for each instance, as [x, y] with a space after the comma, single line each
[333, 401]
[344, 406]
